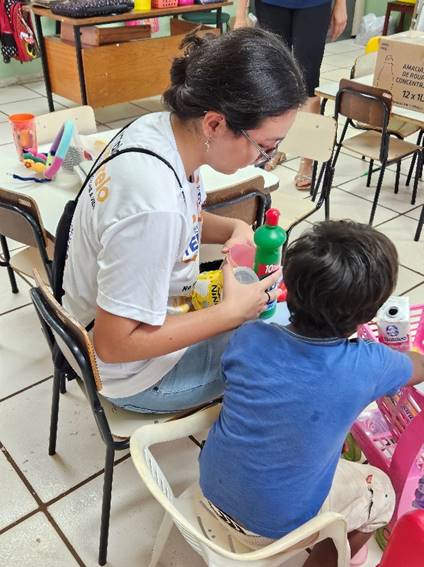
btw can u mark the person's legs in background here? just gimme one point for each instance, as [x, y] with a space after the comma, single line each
[279, 21]
[309, 32]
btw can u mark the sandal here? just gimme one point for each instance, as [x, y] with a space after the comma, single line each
[302, 181]
[278, 159]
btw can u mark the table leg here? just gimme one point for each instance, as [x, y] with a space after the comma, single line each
[219, 19]
[401, 21]
[80, 64]
[44, 62]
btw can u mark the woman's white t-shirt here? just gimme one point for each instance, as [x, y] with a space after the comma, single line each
[134, 244]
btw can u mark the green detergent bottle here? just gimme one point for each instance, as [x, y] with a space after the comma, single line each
[269, 239]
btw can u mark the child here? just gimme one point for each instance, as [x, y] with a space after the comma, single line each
[272, 460]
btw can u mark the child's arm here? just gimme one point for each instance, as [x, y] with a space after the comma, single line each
[417, 368]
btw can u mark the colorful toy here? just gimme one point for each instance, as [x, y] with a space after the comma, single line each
[61, 154]
[391, 435]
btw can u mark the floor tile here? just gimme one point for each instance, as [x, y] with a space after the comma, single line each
[16, 500]
[14, 93]
[34, 543]
[6, 136]
[121, 123]
[152, 103]
[135, 515]
[9, 300]
[25, 357]
[37, 105]
[400, 202]
[401, 231]
[3, 117]
[406, 280]
[116, 112]
[342, 46]
[80, 450]
[346, 168]
[344, 205]
[416, 295]
[335, 75]
[341, 59]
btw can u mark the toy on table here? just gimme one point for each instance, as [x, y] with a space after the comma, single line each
[391, 436]
[64, 153]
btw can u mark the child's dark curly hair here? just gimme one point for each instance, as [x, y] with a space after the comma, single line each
[338, 275]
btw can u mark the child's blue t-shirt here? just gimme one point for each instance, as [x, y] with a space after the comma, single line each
[289, 403]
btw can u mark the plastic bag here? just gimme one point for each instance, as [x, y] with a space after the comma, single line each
[370, 26]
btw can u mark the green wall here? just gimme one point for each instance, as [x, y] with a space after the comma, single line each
[378, 7]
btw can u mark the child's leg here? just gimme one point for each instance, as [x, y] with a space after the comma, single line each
[365, 497]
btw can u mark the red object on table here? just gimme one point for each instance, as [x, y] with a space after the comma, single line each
[406, 544]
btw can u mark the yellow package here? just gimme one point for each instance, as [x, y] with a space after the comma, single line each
[207, 290]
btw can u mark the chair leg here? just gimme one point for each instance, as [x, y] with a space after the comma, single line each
[420, 225]
[398, 165]
[107, 497]
[6, 263]
[63, 383]
[411, 169]
[161, 539]
[417, 177]
[54, 412]
[370, 172]
[377, 193]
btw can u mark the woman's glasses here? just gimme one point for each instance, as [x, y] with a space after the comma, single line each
[265, 156]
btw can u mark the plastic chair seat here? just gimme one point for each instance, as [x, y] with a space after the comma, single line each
[207, 18]
[368, 144]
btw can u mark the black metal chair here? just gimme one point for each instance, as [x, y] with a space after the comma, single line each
[20, 220]
[372, 106]
[115, 425]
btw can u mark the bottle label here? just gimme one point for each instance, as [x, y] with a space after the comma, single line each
[264, 270]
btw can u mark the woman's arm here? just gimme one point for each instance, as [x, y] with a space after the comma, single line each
[223, 230]
[338, 19]
[118, 339]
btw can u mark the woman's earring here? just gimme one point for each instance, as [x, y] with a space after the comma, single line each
[208, 144]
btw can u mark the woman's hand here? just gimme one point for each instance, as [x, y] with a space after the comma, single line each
[338, 19]
[242, 234]
[242, 22]
[247, 301]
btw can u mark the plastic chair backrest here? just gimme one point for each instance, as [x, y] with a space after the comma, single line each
[48, 125]
[364, 65]
[158, 485]
[245, 200]
[311, 136]
[20, 219]
[363, 103]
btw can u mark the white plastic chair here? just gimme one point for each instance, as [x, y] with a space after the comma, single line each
[197, 524]
[48, 125]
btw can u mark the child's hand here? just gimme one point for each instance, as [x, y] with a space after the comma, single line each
[247, 301]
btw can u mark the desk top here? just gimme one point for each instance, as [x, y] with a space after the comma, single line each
[329, 90]
[51, 197]
[133, 15]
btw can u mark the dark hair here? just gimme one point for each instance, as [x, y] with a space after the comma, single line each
[338, 275]
[247, 75]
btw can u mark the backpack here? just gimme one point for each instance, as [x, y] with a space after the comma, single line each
[17, 36]
[63, 232]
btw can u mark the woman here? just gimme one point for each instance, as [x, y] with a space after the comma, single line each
[303, 24]
[133, 250]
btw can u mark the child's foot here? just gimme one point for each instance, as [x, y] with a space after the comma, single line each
[360, 557]
[303, 179]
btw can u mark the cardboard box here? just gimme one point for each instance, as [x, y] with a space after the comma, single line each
[400, 68]
[96, 35]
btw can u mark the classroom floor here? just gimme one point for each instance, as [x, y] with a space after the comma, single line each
[50, 506]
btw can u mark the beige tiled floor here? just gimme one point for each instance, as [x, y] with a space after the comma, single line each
[50, 506]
